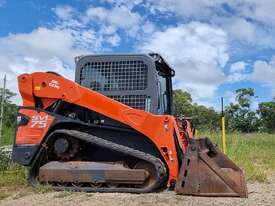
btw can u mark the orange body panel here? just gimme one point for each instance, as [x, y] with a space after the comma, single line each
[35, 130]
[159, 128]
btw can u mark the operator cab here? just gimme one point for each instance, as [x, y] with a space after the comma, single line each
[138, 80]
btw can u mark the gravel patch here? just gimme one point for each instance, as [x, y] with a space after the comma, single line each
[259, 194]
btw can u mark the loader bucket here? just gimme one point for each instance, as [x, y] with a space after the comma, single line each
[206, 171]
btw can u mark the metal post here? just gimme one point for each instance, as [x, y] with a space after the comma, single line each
[223, 129]
[3, 98]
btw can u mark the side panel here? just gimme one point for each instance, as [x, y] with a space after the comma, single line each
[33, 132]
[32, 128]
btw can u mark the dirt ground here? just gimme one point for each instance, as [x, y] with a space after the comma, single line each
[259, 194]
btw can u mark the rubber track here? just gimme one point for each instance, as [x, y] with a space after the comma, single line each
[158, 164]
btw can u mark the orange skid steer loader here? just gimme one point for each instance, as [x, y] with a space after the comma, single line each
[113, 131]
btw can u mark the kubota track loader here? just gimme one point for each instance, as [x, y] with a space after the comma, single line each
[113, 131]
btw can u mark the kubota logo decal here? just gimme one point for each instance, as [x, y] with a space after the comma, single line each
[39, 121]
[54, 84]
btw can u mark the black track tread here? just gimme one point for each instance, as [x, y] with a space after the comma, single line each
[158, 164]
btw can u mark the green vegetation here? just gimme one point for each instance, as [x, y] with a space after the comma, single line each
[8, 135]
[248, 143]
[12, 176]
[239, 115]
[202, 117]
[267, 115]
[13, 180]
[253, 152]
[10, 109]
[9, 117]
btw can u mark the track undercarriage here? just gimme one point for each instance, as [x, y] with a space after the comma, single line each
[63, 169]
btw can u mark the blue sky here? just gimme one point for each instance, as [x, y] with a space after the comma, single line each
[215, 46]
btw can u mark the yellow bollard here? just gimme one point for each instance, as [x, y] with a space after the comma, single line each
[196, 133]
[223, 135]
[223, 130]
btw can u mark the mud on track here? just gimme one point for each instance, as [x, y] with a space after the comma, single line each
[259, 194]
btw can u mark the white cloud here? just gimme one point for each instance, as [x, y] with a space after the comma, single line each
[85, 33]
[244, 31]
[65, 12]
[197, 52]
[236, 77]
[148, 28]
[239, 28]
[114, 40]
[54, 49]
[194, 8]
[237, 72]
[41, 42]
[130, 3]
[41, 50]
[120, 17]
[238, 66]
[108, 29]
[249, 21]
[264, 72]
[100, 25]
[229, 97]
[100, 13]
[262, 11]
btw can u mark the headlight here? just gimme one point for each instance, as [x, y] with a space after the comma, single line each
[22, 120]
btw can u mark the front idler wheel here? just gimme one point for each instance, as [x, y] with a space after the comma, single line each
[151, 179]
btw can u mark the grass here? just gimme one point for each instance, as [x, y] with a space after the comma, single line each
[8, 136]
[12, 181]
[254, 153]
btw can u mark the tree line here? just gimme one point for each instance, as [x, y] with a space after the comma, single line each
[239, 115]
[10, 109]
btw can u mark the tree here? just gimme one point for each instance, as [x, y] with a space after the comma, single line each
[244, 96]
[182, 103]
[240, 116]
[266, 112]
[202, 117]
[10, 109]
